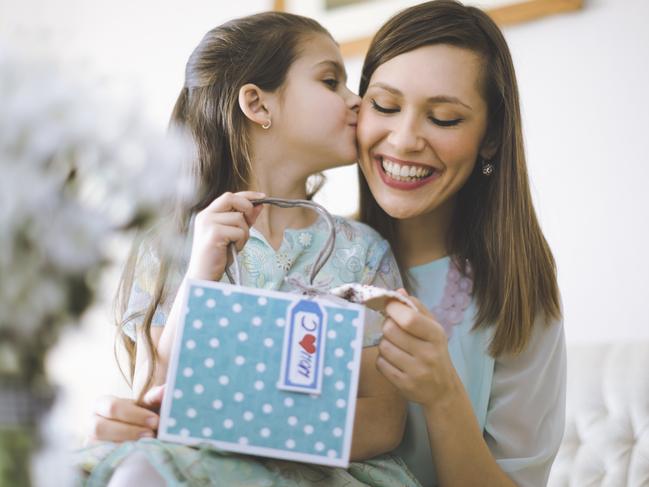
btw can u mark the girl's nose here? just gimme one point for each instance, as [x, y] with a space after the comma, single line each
[353, 101]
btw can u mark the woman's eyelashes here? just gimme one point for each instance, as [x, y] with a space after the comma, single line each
[382, 109]
[445, 123]
[436, 121]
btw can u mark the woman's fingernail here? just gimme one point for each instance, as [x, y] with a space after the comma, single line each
[152, 421]
[146, 434]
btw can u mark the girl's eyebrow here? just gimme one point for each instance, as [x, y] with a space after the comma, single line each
[335, 65]
[432, 99]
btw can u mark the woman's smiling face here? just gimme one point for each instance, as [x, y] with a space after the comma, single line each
[421, 128]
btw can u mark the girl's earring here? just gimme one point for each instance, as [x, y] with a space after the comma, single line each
[487, 168]
[267, 125]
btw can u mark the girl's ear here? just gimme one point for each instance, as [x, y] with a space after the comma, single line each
[253, 104]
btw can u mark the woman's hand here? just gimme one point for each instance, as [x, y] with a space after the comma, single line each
[413, 354]
[227, 219]
[118, 419]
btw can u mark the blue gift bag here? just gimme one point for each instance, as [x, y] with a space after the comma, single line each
[266, 373]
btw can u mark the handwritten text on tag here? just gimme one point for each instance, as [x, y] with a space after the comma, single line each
[303, 352]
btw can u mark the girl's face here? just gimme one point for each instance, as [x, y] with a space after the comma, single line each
[315, 115]
[421, 127]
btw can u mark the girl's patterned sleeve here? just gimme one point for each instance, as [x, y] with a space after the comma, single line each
[381, 270]
[141, 295]
[381, 267]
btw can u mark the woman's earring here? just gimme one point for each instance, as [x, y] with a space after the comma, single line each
[267, 125]
[487, 168]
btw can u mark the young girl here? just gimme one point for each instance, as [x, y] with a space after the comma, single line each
[266, 103]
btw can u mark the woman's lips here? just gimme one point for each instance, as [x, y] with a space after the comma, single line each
[406, 185]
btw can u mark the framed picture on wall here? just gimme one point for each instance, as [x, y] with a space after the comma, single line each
[354, 22]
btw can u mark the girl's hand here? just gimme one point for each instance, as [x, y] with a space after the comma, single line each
[227, 219]
[118, 419]
[413, 354]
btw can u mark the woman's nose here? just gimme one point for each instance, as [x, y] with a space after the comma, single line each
[405, 134]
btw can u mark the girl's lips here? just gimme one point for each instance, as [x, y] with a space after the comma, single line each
[406, 185]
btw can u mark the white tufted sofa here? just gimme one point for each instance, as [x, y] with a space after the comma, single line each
[607, 419]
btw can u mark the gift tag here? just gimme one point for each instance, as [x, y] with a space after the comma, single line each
[304, 347]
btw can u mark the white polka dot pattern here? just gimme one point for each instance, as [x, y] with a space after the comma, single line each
[228, 368]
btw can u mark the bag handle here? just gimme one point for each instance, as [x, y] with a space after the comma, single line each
[323, 255]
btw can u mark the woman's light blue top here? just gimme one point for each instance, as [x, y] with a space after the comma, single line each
[518, 401]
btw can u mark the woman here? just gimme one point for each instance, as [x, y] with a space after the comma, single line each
[445, 182]
[441, 151]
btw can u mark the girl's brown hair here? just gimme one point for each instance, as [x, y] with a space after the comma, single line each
[257, 49]
[494, 226]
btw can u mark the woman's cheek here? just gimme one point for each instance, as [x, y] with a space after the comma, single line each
[364, 134]
[454, 147]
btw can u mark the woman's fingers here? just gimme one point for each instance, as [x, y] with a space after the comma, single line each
[401, 338]
[397, 356]
[390, 372]
[125, 411]
[420, 323]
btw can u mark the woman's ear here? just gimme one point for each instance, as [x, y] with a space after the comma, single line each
[252, 101]
[489, 147]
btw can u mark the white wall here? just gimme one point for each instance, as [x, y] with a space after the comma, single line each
[583, 80]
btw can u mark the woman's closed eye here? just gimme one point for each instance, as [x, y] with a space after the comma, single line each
[445, 123]
[436, 121]
[382, 109]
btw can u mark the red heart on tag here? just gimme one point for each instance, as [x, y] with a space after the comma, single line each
[308, 343]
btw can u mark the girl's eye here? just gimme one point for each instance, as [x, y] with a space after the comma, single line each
[332, 83]
[445, 123]
[381, 109]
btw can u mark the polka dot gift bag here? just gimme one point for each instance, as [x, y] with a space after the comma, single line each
[267, 373]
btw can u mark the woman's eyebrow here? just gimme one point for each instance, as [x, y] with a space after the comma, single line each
[432, 99]
[335, 65]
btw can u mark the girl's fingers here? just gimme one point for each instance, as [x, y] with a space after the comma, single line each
[116, 409]
[236, 202]
[234, 235]
[232, 201]
[153, 398]
[231, 219]
[251, 195]
[105, 429]
[251, 216]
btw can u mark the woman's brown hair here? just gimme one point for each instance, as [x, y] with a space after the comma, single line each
[494, 227]
[257, 49]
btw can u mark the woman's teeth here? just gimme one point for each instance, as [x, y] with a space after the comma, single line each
[402, 172]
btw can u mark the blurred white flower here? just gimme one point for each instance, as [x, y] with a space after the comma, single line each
[77, 167]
